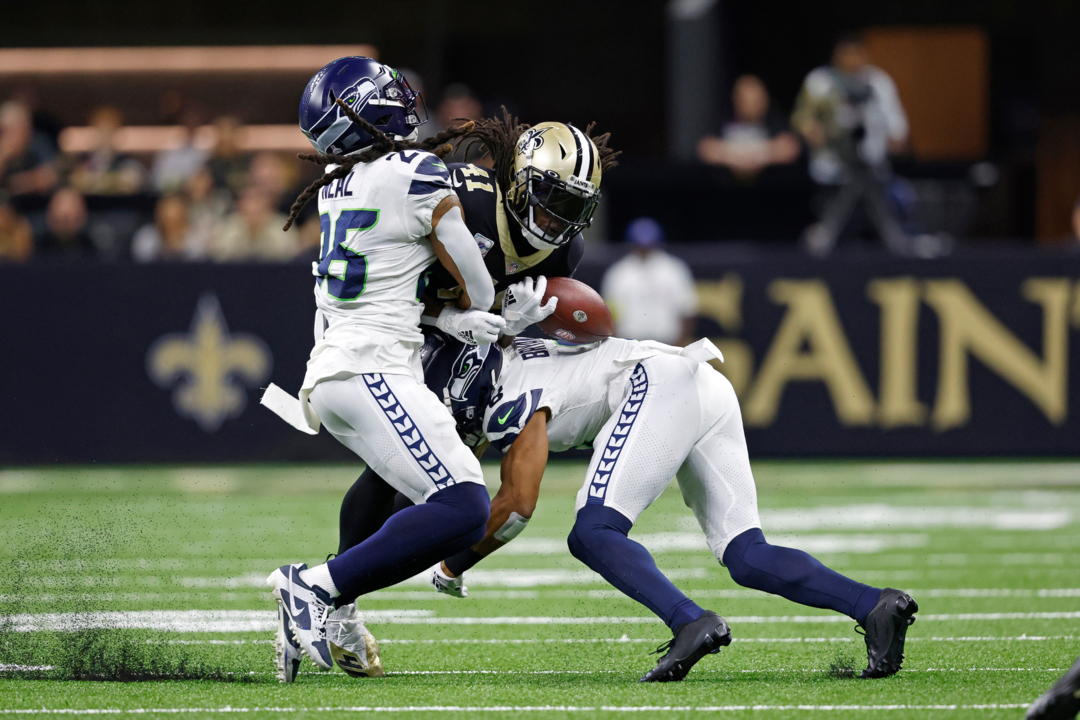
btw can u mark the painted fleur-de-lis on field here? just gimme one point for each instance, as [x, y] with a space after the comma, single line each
[206, 364]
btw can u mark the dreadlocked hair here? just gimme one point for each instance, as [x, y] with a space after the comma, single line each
[439, 145]
[496, 138]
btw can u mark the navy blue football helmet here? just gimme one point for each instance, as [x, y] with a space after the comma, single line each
[463, 376]
[377, 92]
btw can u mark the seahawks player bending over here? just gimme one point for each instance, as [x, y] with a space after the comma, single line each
[526, 214]
[653, 412]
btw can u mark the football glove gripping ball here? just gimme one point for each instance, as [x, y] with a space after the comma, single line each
[521, 305]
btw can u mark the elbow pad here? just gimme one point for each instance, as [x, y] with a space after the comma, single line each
[459, 243]
[511, 528]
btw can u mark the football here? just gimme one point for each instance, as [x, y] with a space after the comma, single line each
[581, 315]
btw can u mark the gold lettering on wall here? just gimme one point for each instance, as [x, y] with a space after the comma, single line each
[968, 328]
[898, 385]
[811, 321]
[722, 301]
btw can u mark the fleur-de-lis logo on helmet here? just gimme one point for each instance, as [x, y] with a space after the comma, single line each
[532, 140]
[206, 364]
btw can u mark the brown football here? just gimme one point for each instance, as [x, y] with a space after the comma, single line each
[581, 315]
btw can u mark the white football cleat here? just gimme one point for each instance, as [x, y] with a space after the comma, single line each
[287, 652]
[307, 607]
[447, 585]
[354, 649]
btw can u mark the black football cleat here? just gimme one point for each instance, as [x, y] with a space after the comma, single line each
[693, 641]
[1061, 701]
[886, 627]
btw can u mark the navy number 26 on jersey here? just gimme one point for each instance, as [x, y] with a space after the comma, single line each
[344, 271]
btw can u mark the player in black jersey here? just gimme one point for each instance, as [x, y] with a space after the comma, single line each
[526, 214]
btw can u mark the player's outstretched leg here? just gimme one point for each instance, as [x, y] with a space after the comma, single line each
[1061, 701]
[407, 435]
[884, 615]
[718, 484]
[599, 539]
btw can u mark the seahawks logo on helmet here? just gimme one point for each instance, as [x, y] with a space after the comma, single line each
[532, 140]
[466, 369]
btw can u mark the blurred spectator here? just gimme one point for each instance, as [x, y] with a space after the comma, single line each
[207, 208]
[45, 123]
[26, 157]
[270, 172]
[254, 231]
[171, 236]
[459, 105]
[228, 163]
[173, 168]
[754, 138]
[651, 293]
[850, 115]
[65, 237]
[16, 238]
[105, 171]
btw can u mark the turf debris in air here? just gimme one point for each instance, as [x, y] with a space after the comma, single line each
[92, 653]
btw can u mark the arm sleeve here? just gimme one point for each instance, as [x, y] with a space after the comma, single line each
[429, 184]
[461, 246]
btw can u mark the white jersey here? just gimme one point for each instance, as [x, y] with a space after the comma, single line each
[581, 386]
[650, 412]
[373, 266]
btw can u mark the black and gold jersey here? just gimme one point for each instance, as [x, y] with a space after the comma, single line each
[508, 255]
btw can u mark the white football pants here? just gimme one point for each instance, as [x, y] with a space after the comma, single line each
[400, 429]
[677, 418]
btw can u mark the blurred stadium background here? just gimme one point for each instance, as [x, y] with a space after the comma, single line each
[147, 155]
[914, 397]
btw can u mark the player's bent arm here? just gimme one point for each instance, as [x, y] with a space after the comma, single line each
[457, 251]
[522, 470]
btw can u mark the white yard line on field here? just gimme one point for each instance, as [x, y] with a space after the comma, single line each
[512, 708]
[44, 668]
[626, 639]
[221, 621]
[245, 595]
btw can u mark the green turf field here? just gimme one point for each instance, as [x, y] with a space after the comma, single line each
[990, 550]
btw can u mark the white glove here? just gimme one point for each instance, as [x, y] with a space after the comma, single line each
[472, 327]
[455, 587]
[521, 305]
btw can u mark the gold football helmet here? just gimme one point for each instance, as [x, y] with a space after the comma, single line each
[556, 184]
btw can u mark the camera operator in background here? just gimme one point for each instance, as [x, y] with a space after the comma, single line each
[850, 115]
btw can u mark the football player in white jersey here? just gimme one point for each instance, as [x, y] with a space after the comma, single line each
[387, 212]
[652, 412]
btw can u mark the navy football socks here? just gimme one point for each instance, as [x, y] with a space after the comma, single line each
[413, 540]
[797, 576]
[599, 539]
